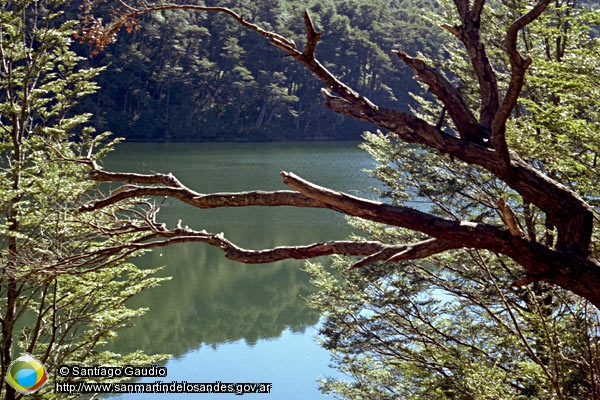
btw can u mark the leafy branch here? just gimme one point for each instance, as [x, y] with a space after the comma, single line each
[479, 142]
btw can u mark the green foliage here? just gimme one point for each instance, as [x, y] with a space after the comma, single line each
[200, 76]
[63, 276]
[559, 110]
[453, 326]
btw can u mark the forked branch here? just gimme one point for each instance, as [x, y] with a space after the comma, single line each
[518, 66]
[572, 216]
[453, 101]
[443, 235]
[470, 35]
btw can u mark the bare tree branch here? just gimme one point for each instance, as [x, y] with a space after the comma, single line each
[164, 179]
[510, 219]
[312, 37]
[454, 103]
[517, 75]
[305, 194]
[538, 261]
[536, 188]
[212, 200]
[478, 7]
[573, 217]
[414, 251]
[470, 35]
[404, 217]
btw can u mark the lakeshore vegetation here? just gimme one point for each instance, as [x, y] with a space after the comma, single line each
[489, 289]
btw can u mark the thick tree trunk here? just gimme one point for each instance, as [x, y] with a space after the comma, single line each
[478, 141]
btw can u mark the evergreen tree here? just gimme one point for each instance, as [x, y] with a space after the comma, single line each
[193, 76]
[453, 326]
[490, 287]
[64, 278]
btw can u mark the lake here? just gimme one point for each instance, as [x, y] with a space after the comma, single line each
[225, 321]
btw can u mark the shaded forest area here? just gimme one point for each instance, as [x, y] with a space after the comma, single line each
[200, 77]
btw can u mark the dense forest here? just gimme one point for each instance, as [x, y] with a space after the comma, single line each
[200, 77]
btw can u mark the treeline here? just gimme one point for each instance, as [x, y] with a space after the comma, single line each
[199, 76]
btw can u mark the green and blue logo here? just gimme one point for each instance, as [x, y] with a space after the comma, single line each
[26, 374]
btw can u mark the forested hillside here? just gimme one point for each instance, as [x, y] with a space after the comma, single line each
[199, 76]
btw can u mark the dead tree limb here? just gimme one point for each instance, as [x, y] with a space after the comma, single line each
[479, 141]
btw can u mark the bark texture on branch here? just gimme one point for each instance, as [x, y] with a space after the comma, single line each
[539, 262]
[479, 140]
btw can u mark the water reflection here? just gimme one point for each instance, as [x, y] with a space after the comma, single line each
[211, 300]
[212, 304]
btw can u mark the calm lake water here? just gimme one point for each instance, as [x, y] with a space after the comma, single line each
[225, 321]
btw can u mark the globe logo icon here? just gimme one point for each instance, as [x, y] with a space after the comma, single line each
[26, 374]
